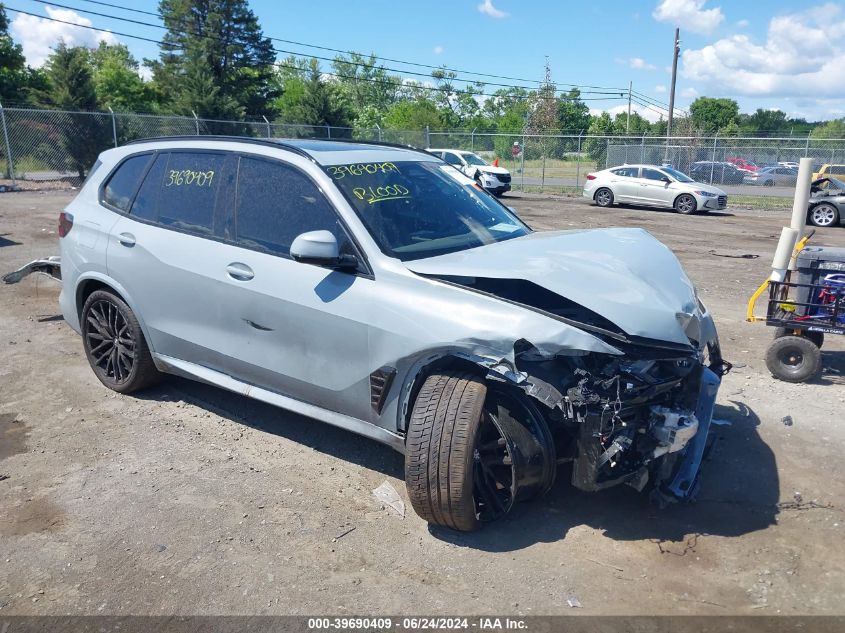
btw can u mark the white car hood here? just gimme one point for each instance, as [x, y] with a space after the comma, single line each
[624, 275]
[491, 169]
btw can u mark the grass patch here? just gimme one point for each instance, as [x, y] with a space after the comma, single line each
[761, 202]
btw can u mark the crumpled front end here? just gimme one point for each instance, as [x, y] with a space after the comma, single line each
[640, 418]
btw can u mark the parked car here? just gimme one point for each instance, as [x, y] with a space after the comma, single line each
[375, 288]
[722, 173]
[741, 163]
[827, 170]
[788, 163]
[771, 176]
[827, 202]
[496, 180]
[653, 186]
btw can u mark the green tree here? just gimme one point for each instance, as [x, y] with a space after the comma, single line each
[70, 86]
[764, 123]
[116, 80]
[322, 101]
[573, 115]
[14, 75]
[216, 41]
[710, 115]
[830, 129]
[601, 125]
[365, 87]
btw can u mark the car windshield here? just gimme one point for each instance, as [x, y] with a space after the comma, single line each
[416, 209]
[677, 175]
[472, 159]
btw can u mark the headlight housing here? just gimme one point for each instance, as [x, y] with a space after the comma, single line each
[706, 194]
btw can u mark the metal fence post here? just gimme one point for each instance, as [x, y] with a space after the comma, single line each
[268, 126]
[10, 165]
[472, 139]
[196, 122]
[378, 127]
[522, 161]
[427, 137]
[642, 149]
[807, 146]
[607, 153]
[578, 163]
[113, 126]
[713, 162]
[328, 131]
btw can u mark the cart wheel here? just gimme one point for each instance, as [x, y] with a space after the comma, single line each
[794, 358]
[816, 337]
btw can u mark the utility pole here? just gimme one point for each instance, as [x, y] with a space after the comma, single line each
[675, 50]
[628, 120]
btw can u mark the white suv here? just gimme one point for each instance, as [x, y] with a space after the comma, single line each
[495, 179]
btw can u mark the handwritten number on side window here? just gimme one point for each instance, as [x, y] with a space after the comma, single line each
[178, 178]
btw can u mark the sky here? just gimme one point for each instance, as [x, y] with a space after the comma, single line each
[777, 54]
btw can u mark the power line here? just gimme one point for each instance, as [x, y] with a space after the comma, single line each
[290, 52]
[389, 83]
[347, 52]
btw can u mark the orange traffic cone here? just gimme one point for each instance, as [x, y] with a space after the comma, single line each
[496, 163]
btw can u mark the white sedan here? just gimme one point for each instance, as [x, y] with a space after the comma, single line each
[653, 186]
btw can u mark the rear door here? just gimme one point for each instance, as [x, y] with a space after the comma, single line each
[624, 183]
[164, 254]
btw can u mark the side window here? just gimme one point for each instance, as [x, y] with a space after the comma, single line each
[653, 174]
[146, 202]
[452, 159]
[123, 183]
[275, 203]
[188, 192]
[628, 172]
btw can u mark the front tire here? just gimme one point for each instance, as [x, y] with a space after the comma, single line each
[823, 215]
[794, 359]
[685, 204]
[115, 345]
[604, 197]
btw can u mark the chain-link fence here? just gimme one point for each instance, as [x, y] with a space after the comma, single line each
[51, 144]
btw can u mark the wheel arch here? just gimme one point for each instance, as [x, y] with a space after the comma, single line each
[91, 282]
[685, 193]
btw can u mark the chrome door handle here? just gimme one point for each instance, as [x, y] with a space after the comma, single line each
[126, 239]
[239, 271]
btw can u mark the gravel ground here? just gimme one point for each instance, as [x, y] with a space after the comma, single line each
[187, 499]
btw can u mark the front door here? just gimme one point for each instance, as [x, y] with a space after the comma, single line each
[654, 190]
[293, 328]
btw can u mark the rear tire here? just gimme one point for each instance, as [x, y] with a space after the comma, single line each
[794, 359]
[603, 197]
[115, 345]
[685, 204]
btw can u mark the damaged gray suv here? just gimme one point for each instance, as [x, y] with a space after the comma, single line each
[377, 289]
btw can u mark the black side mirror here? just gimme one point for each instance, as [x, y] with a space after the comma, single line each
[666, 179]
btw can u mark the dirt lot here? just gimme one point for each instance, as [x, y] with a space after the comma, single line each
[188, 499]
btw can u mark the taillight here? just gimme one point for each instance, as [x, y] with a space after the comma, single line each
[65, 223]
[591, 176]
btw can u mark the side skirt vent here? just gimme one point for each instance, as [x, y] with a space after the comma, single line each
[380, 381]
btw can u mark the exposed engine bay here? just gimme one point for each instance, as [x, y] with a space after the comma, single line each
[641, 418]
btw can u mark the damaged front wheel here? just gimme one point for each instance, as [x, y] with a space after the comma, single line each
[472, 452]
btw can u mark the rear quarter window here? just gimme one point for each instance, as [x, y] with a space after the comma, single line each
[121, 186]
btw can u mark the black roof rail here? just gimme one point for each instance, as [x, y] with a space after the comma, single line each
[272, 142]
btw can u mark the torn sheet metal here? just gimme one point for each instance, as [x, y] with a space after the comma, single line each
[50, 266]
